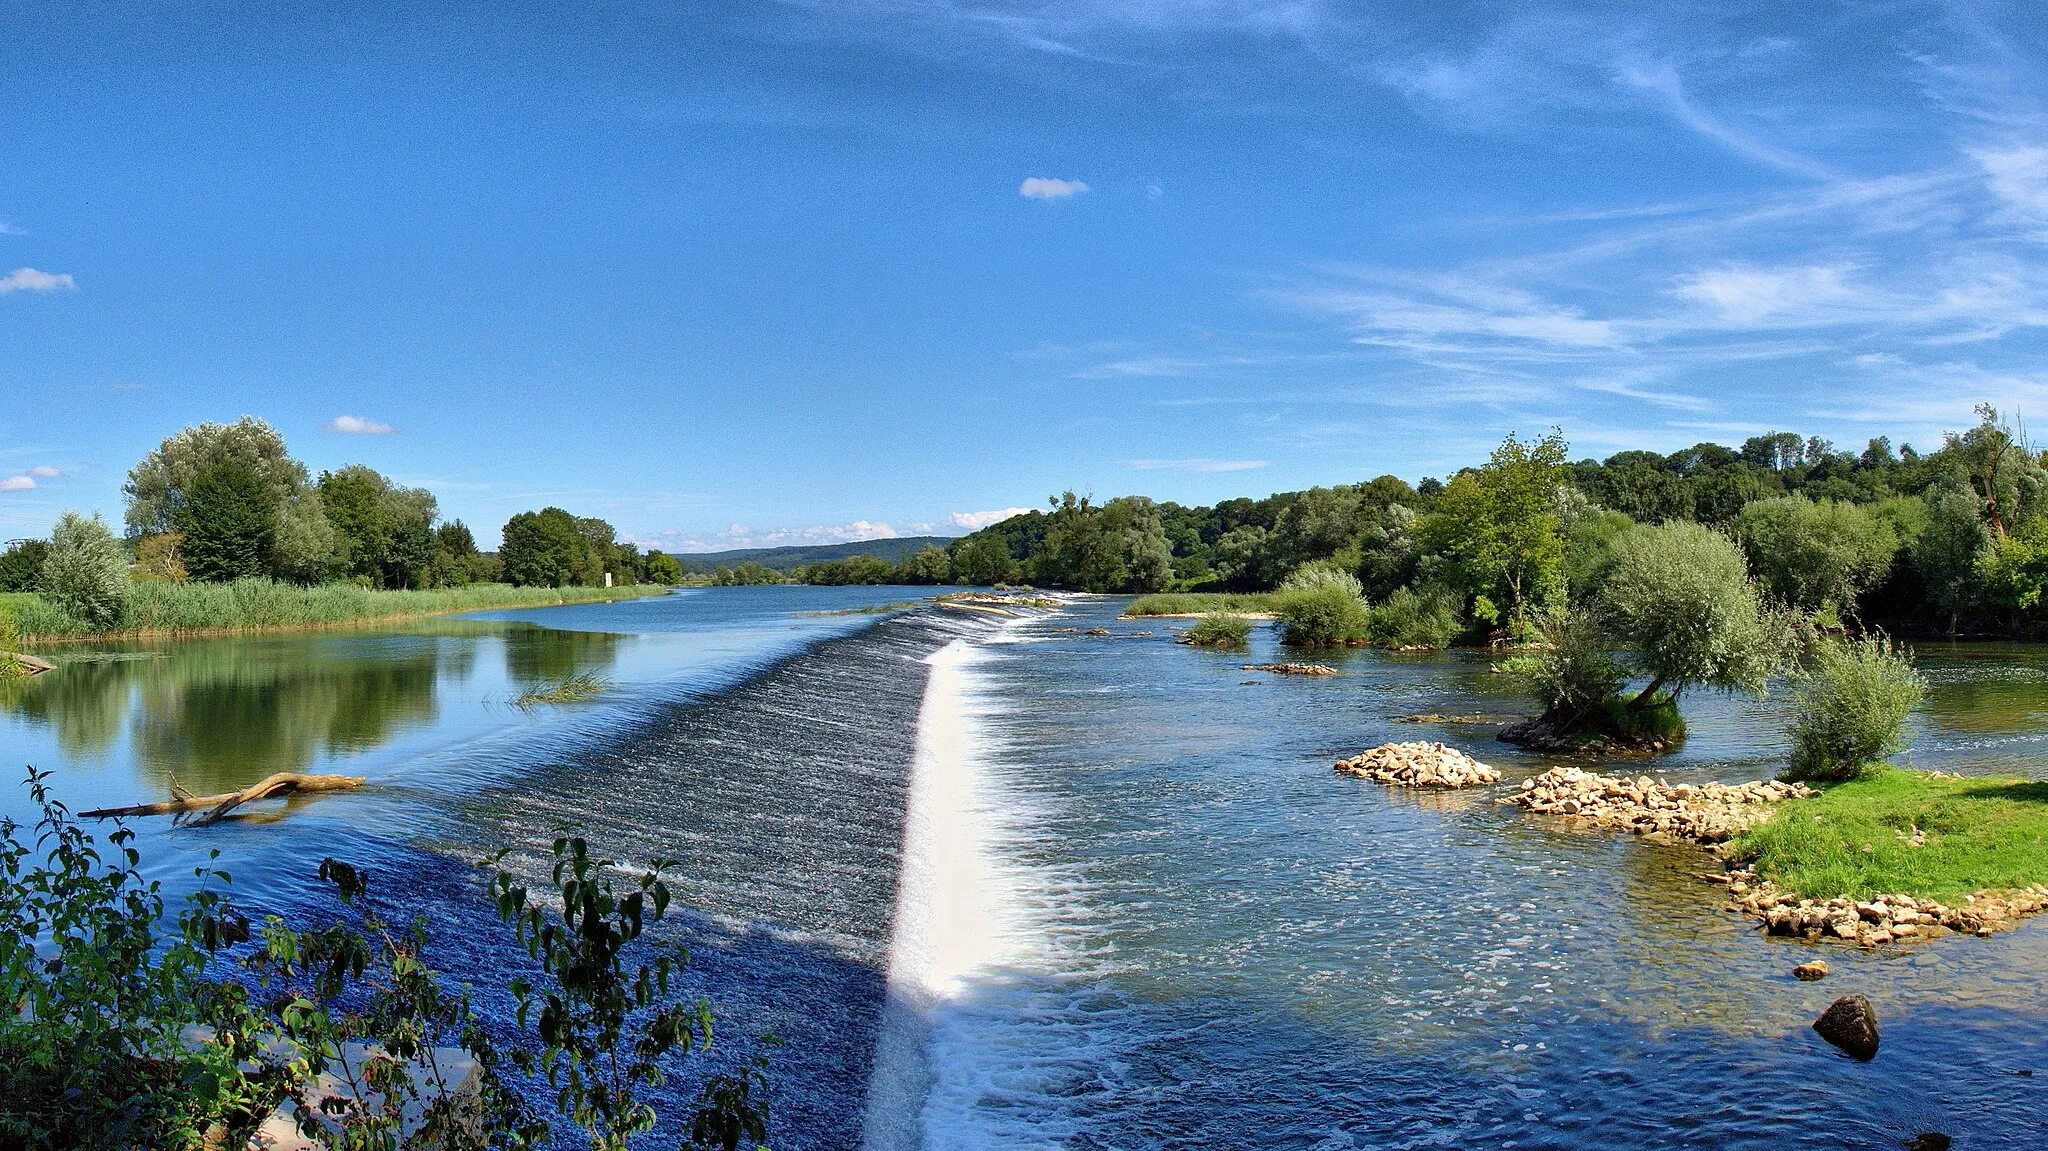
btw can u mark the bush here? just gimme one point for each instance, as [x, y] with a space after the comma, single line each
[1853, 704]
[86, 573]
[1576, 673]
[1323, 574]
[1321, 615]
[1816, 556]
[1219, 629]
[1408, 619]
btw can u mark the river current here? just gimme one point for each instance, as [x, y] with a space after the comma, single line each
[998, 883]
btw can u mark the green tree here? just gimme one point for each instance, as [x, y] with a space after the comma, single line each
[663, 569]
[1499, 524]
[303, 544]
[1945, 555]
[385, 530]
[1680, 599]
[85, 572]
[229, 519]
[541, 548]
[1818, 557]
[21, 565]
[1996, 468]
[928, 565]
[1853, 705]
[984, 560]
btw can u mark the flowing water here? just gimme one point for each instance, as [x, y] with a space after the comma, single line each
[996, 883]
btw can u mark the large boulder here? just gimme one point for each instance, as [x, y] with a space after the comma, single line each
[1850, 1024]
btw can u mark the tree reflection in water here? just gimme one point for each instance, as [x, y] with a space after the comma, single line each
[221, 713]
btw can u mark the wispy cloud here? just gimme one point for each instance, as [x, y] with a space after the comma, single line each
[31, 280]
[44, 472]
[7, 229]
[1196, 465]
[975, 521]
[357, 426]
[1045, 188]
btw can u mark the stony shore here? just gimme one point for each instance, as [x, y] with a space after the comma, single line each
[1292, 668]
[1880, 919]
[1674, 812]
[1418, 764]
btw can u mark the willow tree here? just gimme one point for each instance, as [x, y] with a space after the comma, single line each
[1679, 598]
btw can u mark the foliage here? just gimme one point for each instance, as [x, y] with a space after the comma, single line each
[540, 549]
[160, 483]
[1997, 469]
[1853, 703]
[1120, 546]
[384, 532]
[1411, 619]
[85, 572]
[1575, 674]
[229, 520]
[263, 605]
[1859, 838]
[749, 573]
[860, 569]
[157, 557]
[92, 1050]
[927, 565]
[1320, 614]
[1323, 574]
[1680, 600]
[1946, 553]
[1816, 556]
[984, 560]
[2012, 570]
[663, 569]
[607, 1023]
[1219, 629]
[106, 1039]
[21, 565]
[1499, 526]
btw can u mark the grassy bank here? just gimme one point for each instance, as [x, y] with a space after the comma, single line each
[160, 609]
[1201, 603]
[1909, 832]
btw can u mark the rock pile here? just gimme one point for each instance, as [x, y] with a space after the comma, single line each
[1418, 765]
[1292, 668]
[1883, 919]
[1693, 812]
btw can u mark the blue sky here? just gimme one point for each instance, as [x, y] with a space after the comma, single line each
[742, 273]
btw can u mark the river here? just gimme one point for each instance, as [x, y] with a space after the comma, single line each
[998, 883]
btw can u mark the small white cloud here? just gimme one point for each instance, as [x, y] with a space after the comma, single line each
[30, 280]
[44, 472]
[1044, 188]
[737, 530]
[1196, 465]
[1154, 190]
[16, 484]
[358, 426]
[975, 521]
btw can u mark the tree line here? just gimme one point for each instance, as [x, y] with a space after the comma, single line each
[1953, 540]
[218, 503]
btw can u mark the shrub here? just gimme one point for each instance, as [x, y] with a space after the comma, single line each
[1408, 619]
[86, 573]
[1816, 556]
[1576, 672]
[1219, 629]
[1321, 615]
[1322, 574]
[1853, 704]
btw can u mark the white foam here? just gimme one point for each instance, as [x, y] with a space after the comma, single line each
[950, 924]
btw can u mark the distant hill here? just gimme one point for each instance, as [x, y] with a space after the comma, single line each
[783, 559]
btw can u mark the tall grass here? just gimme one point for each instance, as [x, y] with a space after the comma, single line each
[156, 608]
[1200, 603]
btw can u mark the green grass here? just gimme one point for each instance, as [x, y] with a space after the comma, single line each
[1199, 603]
[579, 688]
[158, 608]
[1980, 832]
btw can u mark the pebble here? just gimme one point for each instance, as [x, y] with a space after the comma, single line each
[1694, 812]
[1419, 764]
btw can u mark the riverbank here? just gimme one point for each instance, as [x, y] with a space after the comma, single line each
[194, 610]
[1191, 604]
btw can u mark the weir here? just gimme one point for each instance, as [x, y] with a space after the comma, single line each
[785, 798]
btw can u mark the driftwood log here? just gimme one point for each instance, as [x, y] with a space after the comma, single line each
[29, 663]
[214, 807]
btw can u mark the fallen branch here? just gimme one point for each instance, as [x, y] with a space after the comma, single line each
[218, 806]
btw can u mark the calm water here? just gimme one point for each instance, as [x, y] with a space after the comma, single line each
[1000, 885]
